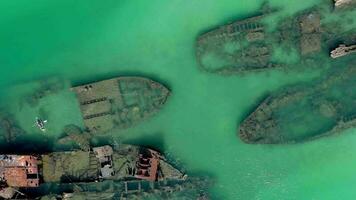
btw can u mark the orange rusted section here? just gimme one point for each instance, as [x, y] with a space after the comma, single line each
[147, 166]
[19, 171]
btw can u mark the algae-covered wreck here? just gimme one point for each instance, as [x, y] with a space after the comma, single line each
[126, 163]
[119, 102]
[53, 103]
[253, 44]
[305, 112]
[246, 45]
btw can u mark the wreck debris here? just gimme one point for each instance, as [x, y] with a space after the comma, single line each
[342, 50]
[190, 188]
[310, 30]
[104, 154]
[344, 3]
[7, 192]
[9, 127]
[119, 102]
[75, 134]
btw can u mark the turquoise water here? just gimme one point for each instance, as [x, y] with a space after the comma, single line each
[82, 41]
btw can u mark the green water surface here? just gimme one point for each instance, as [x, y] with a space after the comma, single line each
[84, 41]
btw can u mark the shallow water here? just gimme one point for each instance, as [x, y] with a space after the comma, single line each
[83, 42]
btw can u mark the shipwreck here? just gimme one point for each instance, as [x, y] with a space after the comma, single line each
[304, 112]
[254, 44]
[119, 102]
[125, 163]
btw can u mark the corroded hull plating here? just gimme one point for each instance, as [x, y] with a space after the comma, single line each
[191, 188]
[282, 118]
[125, 165]
[119, 102]
[18, 171]
[104, 163]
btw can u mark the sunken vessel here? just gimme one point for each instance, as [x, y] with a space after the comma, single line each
[253, 44]
[119, 102]
[305, 112]
[122, 163]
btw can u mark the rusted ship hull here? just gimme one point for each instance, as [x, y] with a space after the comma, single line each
[191, 188]
[127, 163]
[102, 163]
[119, 102]
[16, 172]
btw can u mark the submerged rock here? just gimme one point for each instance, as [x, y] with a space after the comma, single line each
[119, 102]
[9, 128]
[305, 112]
[43, 89]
